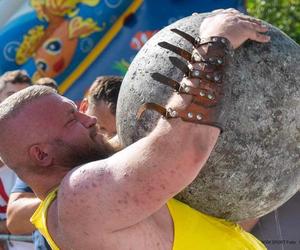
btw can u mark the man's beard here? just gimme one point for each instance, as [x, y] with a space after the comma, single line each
[70, 155]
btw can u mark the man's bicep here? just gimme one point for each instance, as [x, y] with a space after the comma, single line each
[82, 197]
[117, 188]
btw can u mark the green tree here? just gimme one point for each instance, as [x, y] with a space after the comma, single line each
[284, 14]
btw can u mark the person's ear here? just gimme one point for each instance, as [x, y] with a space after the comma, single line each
[40, 155]
[84, 105]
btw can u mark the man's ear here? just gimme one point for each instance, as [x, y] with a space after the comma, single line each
[84, 105]
[40, 155]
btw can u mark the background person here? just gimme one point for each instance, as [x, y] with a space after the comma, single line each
[101, 102]
[21, 206]
[13, 81]
[10, 83]
[47, 81]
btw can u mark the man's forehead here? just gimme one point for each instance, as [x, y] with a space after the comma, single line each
[53, 99]
[69, 101]
[42, 105]
[49, 108]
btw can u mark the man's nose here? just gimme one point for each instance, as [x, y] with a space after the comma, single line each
[86, 120]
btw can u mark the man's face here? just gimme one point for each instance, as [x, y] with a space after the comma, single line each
[72, 135]
[10, 89]
[106, 120]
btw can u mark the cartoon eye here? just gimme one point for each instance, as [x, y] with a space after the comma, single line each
[53, 46]
[41, 65]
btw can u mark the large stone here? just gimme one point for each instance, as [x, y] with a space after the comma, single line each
[255, 166]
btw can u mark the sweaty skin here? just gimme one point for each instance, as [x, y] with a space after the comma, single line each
[118, 202]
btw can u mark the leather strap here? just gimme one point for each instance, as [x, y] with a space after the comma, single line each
[193, 113]
[205, 66]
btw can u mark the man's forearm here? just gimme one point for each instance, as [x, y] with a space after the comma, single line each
[135, 182]
[159, 167]
[19, 212]
[3, 227]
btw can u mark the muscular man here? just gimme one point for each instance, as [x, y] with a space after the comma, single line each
[126, 198]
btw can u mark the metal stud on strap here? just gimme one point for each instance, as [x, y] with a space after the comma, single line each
[206, 64]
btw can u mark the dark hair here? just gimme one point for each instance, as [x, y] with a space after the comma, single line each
[105, 88]
[47, 81]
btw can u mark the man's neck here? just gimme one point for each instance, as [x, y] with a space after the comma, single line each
[42, 185]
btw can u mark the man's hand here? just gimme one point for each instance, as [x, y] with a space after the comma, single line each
[235, 26]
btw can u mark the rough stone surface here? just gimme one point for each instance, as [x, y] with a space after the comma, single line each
[255, 166]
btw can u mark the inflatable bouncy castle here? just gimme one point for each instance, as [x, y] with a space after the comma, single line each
[74, 41]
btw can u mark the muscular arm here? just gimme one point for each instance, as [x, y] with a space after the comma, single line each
[20, 208]
[134, 183]
[138, 180]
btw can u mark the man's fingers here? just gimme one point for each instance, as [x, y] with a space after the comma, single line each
[262, 38]
[255, 29]
[258, 37]
[250, 19]
[233, 11]
[259, 27]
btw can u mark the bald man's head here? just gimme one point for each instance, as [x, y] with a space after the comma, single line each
[40, 129]
[14, 133]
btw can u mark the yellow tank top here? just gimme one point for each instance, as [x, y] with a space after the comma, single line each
[39, 218]
[192, 229]
[196, 231]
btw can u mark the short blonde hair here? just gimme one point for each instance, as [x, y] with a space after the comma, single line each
[12, 105]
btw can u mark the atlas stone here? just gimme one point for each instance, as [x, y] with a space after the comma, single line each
[255, 166]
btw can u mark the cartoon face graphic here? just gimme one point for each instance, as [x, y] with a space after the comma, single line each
[53, 46]
[56, 52]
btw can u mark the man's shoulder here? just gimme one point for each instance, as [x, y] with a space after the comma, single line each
[77, 203]
[79, 179]
[80, 186]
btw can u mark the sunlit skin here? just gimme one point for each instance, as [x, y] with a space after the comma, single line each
[74, 135]
[118, 202]
[77, 131]
[71, 140]
[11, 89]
